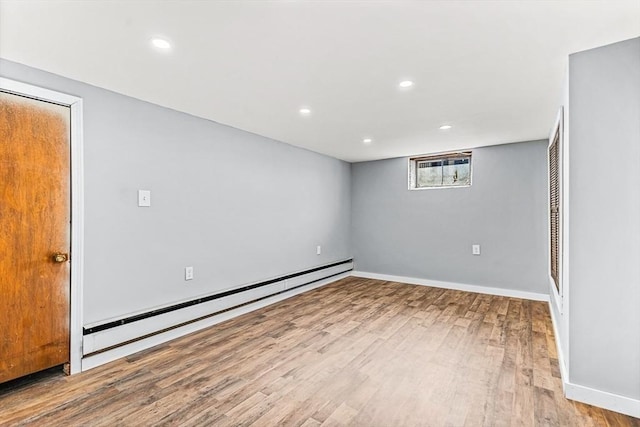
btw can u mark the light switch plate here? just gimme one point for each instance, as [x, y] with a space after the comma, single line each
[318, 250]
[144, 197]
[188, 273]
[475, 249]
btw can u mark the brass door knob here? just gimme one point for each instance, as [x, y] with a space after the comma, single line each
[60, 257]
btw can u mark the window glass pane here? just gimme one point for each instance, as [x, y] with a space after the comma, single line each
[456, 172]
[429, 174]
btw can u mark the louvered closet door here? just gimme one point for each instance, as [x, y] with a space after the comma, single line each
[554, 204]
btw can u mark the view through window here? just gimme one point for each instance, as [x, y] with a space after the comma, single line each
[439, 171]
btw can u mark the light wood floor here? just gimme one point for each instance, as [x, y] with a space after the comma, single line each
[357, 352]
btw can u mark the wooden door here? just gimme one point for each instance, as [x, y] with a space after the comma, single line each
[34, 228]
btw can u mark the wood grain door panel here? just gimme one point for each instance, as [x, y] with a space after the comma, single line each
[34, 225]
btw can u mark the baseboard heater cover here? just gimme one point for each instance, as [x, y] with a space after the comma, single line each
[106, 336]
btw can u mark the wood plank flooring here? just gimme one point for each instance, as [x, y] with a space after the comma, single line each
[358, 352]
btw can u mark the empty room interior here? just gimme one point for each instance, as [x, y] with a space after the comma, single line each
[320, 213]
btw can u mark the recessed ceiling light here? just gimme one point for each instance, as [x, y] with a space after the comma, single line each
[445, 127]
[367, 140]
[406, 83]
[161, 43]
[305, 111]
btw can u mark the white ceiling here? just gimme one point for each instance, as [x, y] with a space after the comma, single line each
[492, 69]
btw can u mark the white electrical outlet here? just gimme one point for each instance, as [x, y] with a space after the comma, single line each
[144, 197]
[475, 249]
[188, 273]
[318, 250]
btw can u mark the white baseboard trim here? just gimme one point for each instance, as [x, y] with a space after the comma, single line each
[92, 361]
[613, 402]
[455, 286]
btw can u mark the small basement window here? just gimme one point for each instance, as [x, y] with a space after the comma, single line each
[440, 171]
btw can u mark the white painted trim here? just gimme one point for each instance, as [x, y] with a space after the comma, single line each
[556, 294]
[77, 234]
[564, 374]
[36, 92]
[77, 204]
[566, 225]
[613, 402]
[125, 350]
[455, 286]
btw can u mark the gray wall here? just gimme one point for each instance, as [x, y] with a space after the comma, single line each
[604, 239]
[428, 234]
[237, 206]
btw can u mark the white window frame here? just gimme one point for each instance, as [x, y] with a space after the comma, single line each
[412, 170]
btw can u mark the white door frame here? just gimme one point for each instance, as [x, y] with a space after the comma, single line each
[556, 295]
[77, 204]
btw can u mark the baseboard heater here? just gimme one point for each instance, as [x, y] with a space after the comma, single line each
[106, 336]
